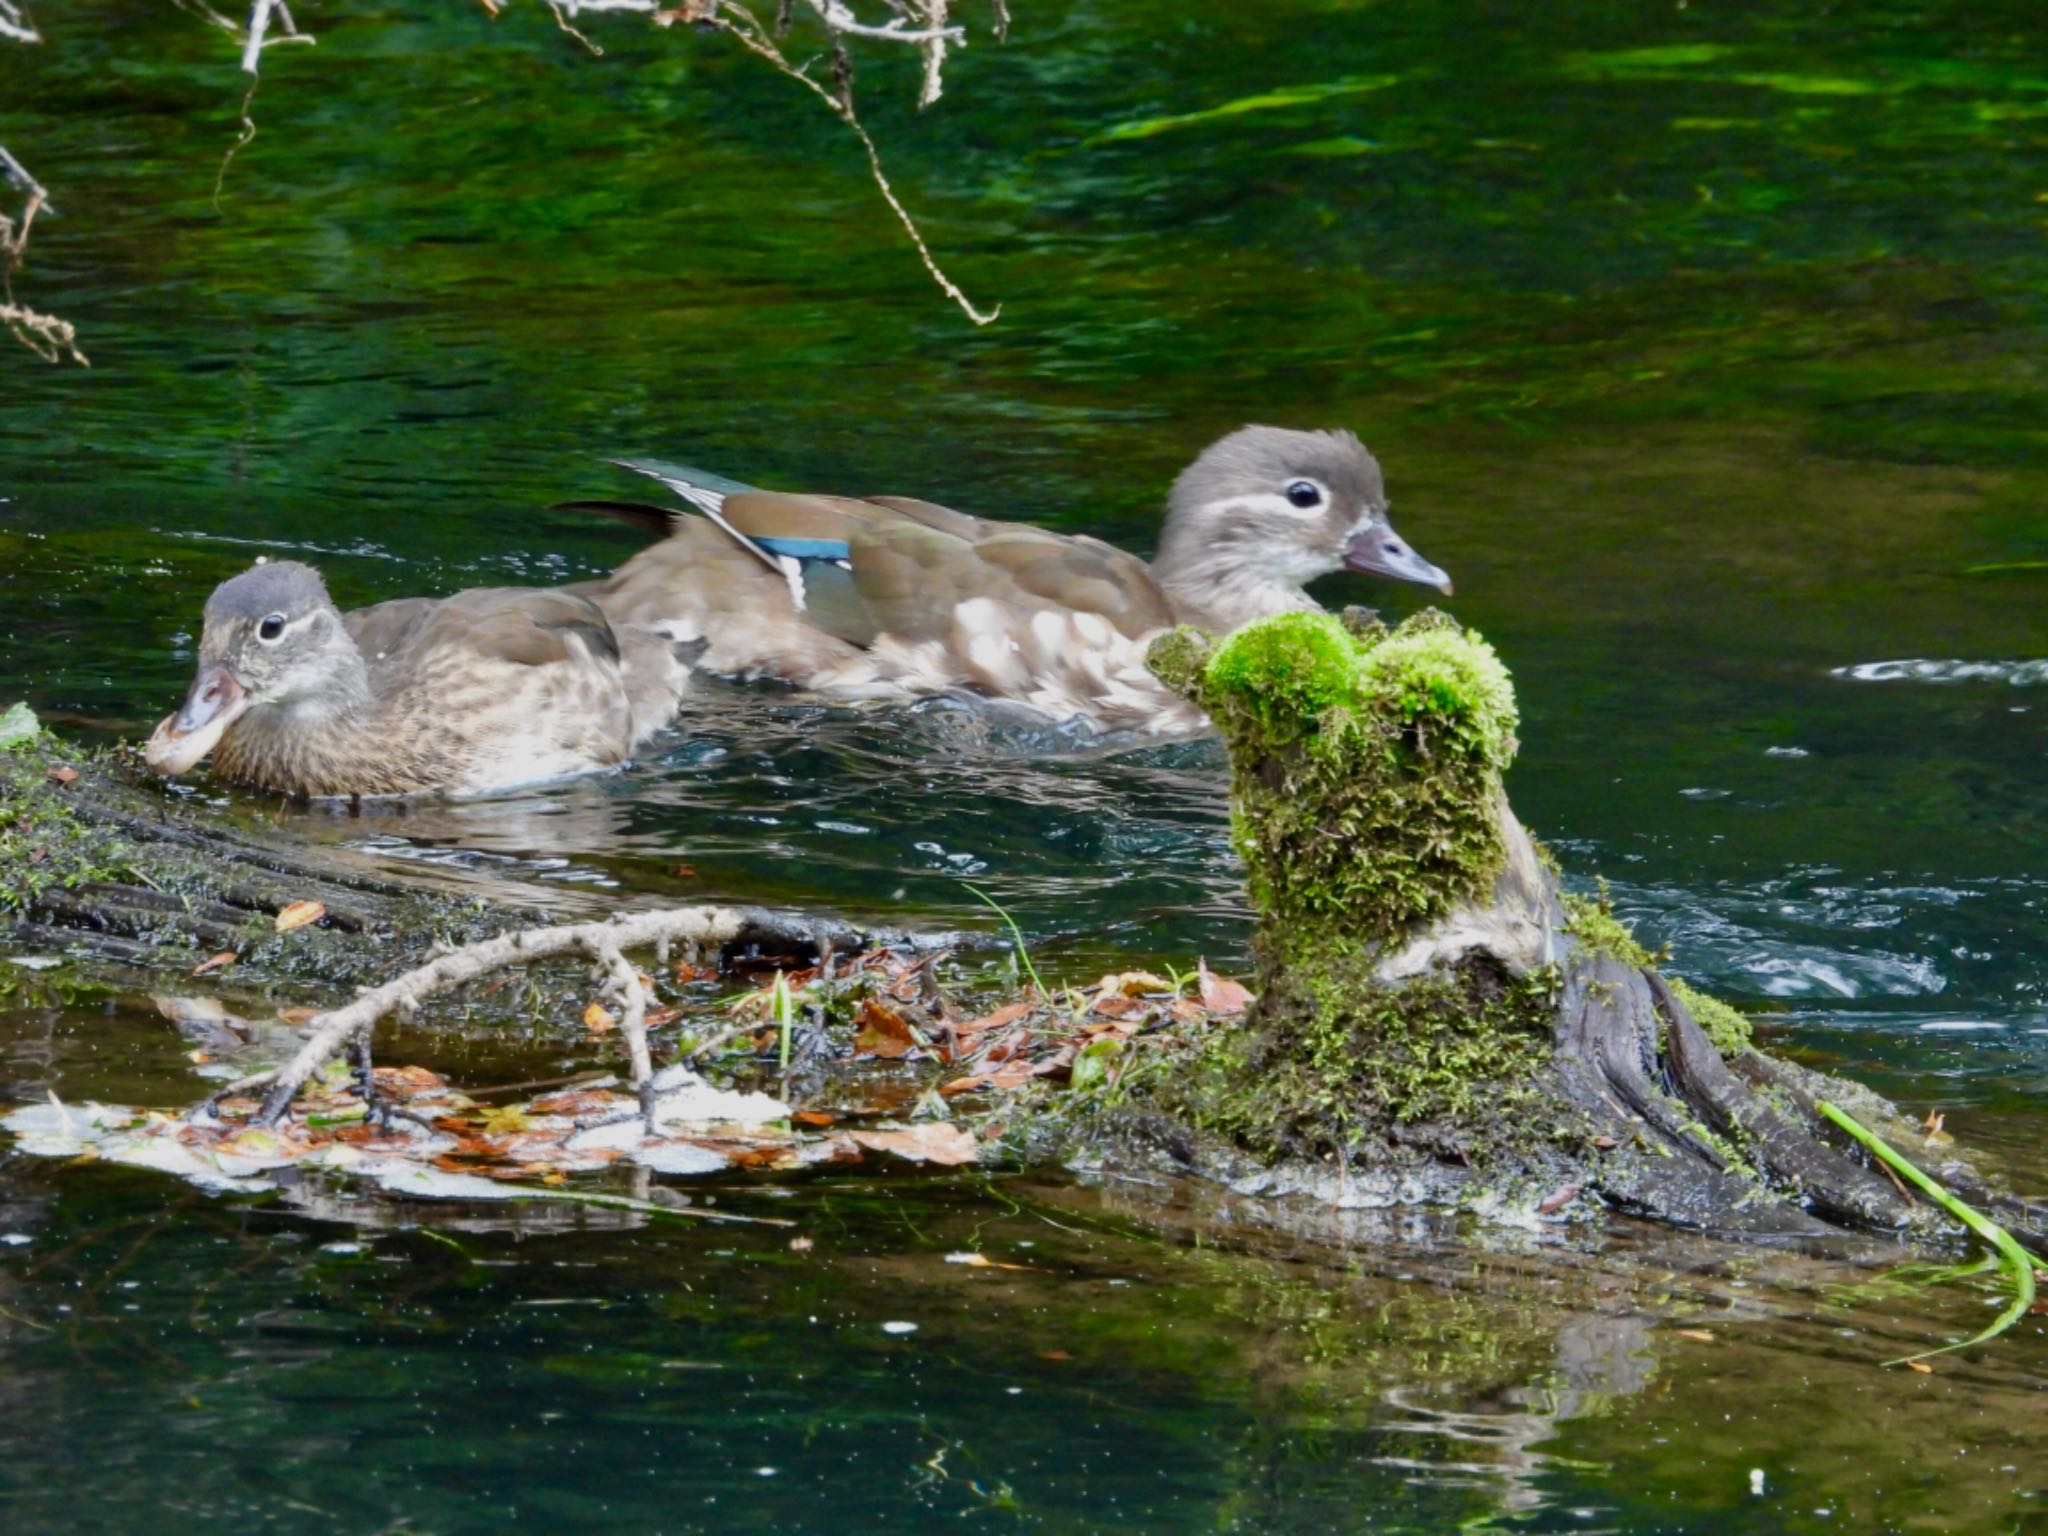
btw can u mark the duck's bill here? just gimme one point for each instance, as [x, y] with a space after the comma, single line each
[216, 701]
[1383, 552]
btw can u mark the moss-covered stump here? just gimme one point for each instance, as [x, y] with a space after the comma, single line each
[1435, 1021]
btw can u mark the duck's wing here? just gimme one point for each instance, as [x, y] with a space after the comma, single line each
[912, 576]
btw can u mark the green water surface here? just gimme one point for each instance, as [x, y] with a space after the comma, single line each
[1704, 344]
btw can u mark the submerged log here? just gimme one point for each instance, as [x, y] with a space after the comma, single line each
[100, 864]
[1437, 1019]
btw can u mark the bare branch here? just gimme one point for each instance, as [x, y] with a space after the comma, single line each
[15, 25]
[745, 28]
[257, 36]
[47, 336]
[700, 927]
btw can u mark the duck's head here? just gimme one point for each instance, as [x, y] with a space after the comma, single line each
[272, 637]
[1286, 507]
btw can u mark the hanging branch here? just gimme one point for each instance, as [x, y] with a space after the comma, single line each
[51, 339]
[16, 26]
[922, 24]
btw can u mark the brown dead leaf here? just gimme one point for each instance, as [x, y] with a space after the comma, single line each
[1009, 1013]
[298, 1015]
[813, 1117]
[933, 1141]
[1605, 1143]
[687, 973]
[1557, 1199]
[1221, 995]
[1921, 1366]
[599, 1019]
[299, 913]
[64, 775]
[1011, 1074]
[1120, 1006]
[219, 962]
[656, 1017]
[1695, 1333]
[883, 1032]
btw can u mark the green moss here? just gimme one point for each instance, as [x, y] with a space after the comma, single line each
[44, 847]
[1592, 922]
[1449, 1062]
[1368, 767]
[1365, 803]
[1729, 1029]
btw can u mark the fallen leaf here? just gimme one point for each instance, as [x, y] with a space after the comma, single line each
[65, 776]
[685, 872]
[219, 962]
[687, 973]
[1012, 1074]
[298, 1015]
[1009, 1013]
[1921, 1366]
[883, 1032]
[1695, 1333]
[934, 1141]
[1557, 1199]
[298, 914]
[598, 1019]
[1605, 1143]
[812, 1117]
[1220, 994]
[656, 1017]
[1118, 1006]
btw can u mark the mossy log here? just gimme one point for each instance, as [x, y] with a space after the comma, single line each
[1436, 1018]
[101, 865]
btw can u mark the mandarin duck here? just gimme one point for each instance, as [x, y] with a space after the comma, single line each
[895, 597]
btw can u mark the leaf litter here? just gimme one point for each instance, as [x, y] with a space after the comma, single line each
[919, 1080]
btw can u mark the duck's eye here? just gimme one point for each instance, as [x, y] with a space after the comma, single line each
[1305, 493]
[271, 630]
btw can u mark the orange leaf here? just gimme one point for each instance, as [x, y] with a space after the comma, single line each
[812, 1117]
[1009, 1013]
[65, 776]
[298, 914]
[598, 1019]
[1219, 993]
[219, 962]
[933, 1141]
[883, 1032]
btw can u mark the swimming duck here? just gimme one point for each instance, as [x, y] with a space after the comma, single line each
[893, 596]
[481, 691]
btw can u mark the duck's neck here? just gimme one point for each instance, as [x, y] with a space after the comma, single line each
[335, 741]
[1213, 586]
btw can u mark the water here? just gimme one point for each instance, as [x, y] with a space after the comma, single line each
[1704, 349]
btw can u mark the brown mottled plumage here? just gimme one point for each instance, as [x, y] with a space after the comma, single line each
[484, 690]
[894, 596]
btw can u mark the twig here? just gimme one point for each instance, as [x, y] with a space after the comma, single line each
[15, 25]
[754, 38]
[605, 942]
